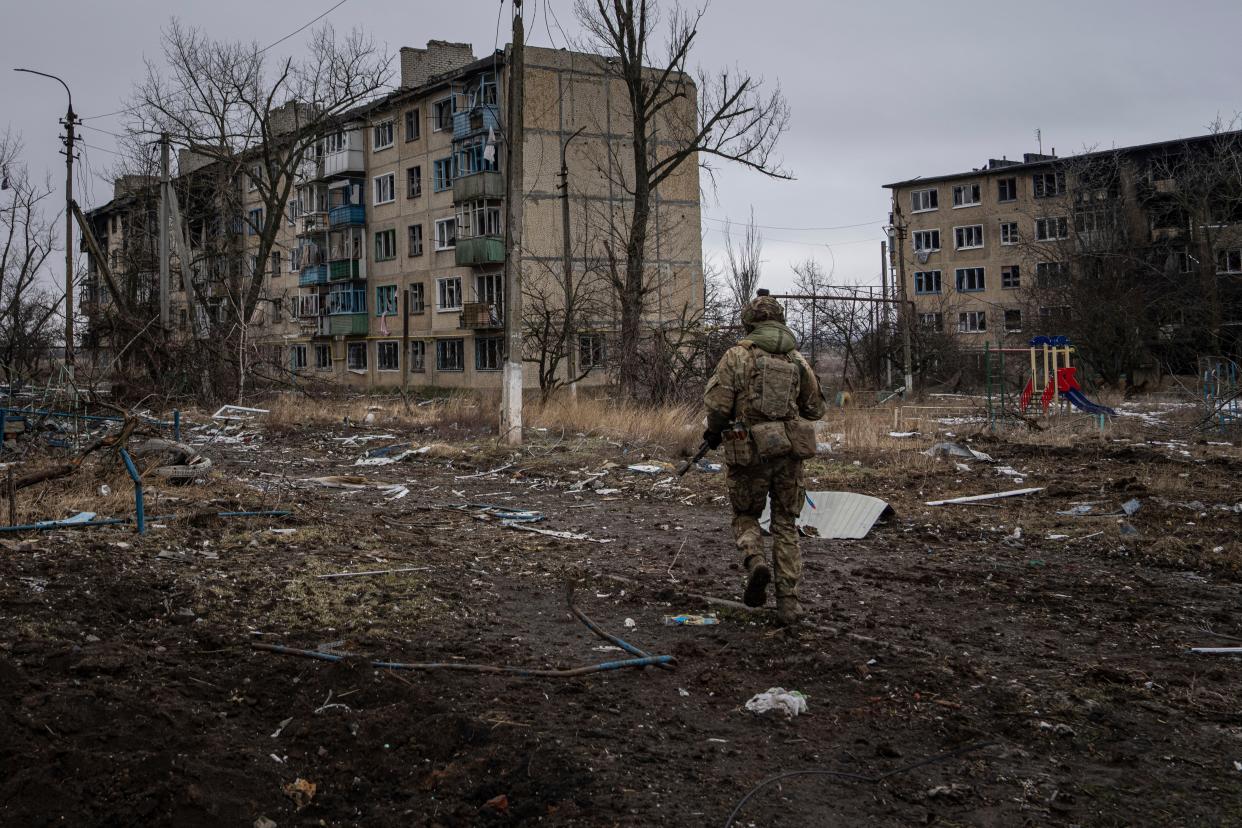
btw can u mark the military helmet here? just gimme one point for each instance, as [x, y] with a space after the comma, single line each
[763, 308]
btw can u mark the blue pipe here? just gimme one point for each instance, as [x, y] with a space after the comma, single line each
[177, 424]
[139, 510]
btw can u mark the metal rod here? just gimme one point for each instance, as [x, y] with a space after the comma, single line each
[139, 509]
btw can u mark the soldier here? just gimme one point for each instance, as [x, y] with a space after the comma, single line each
[761, 403]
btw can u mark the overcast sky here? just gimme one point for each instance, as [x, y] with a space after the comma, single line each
[879, 91]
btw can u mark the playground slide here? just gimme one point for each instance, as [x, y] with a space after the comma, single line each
[1080, 402]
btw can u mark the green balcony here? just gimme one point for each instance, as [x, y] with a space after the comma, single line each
[348, 324]
[343, 270]
[478, 185]
[480, 250]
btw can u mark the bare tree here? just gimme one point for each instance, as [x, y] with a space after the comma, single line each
[27, 238]
[744, 264]
[673, 122]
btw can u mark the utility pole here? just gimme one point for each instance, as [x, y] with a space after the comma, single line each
[899, 230]
[511, 382]
[567, 335]
[165, 207]
[888, 361]
[70, 121]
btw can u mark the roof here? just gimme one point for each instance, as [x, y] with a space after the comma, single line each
[1047, 162]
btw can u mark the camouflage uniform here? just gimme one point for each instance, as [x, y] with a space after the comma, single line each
[727, 399]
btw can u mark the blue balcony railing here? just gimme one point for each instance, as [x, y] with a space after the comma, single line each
[347, 301]
[313, 275]
[476, 119]
[347, 214]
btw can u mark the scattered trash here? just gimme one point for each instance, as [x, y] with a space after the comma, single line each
[237, 412]
[264, 822]
[499, 804]
[992, 496]
[630, 623]
[1077, 511]
[507, 515]
[791, 702]
[300, 791]
[1127, 529]
[956, 791]
[382, 459]
[375, 572]
[957, 450]
[835, 515]
[901, 435]
[80, 517]
[1131, 506]
[281, 727]
[686, 620]
[1217, 650]
[705, 466]
[962, 467]
[645, 468]
[607, 491]
[1060, 728]
[555, 534]
[105, 490]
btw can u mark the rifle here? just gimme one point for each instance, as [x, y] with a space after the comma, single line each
[704, 447]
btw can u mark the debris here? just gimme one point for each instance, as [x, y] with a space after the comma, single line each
[1127, 529]
[992, 496]
[485, 473]
[705, 466]
[956, 792]
[790, 702]
[499, 804]
[105, 490]
[375, 572]
[1078, 511]
[901, 435]
[604, 492]
[554, 534]
[645, 468]
[1131, 506]
[80, 517]
[957, 450]
[1059, 728]
[508, 515]
[630, 623]
[382, 459]
[281, 728]
[686, 620]
[237, 412]
[1217, 650]
[835, 515]
[264, 822]
[300, 791]
[683, 692]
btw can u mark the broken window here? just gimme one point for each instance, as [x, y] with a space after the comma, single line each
[297, 357]
[356, 356]
[381, 136]
[387, 355]
[972, 322]
[446, 233]
[442, 114]
[488, 353]
[1229, 261]
[931, 321]
[965, 195]
[323, 357]
[1009, 232]
[448, 293]
[923, 200]
[417, 300]
[449, 355]
[1013, 320]
[969, 279]
[418, 356]
[413, 181]
[385, 188]
[592, 351]
[1052, 274]
[1051, 229]
[1007, 189]
[926, 281]
[927, 240]
[1044, 185]
[1010, 277]
[414, 240]
[966, 238]
[412, 125]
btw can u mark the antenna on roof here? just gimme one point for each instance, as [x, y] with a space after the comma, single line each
[1039, 137]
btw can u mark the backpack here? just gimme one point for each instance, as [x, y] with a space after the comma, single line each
[774, 385]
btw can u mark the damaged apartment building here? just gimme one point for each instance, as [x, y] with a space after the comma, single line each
[1136, 249]
[389, 263]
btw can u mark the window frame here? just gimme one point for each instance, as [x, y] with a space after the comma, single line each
[1011, 277]
[495, 346]
[959, 190]
[380, 347]
[390, 251]
[391, 178]
[958, 236]
[418, 356]
[979, 317]
[929, 197]
[321, 364]
[591, 342]
[437, 120]
[936, 318]
[975, 275]
[410, 238]
[294, 350]
[1009, 233]
[442, 346]
[391, 128]
[352, 348]
[1224, 264]
[442, 174]
[1061, 223]
[386, 300]
[1039, 184]
[420, 306]
[413, 125]
[1009, 328]
[920, 280]
[414, 182]
[914, 238]
[442, 294]
[1012, 182]
[450, 242]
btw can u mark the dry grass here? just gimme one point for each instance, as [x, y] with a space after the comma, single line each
[674, 428]
[465, 411]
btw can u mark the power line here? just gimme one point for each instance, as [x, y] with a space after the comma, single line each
[795, 229]
[299, 30]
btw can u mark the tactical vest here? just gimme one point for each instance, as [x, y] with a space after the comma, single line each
[775, 380]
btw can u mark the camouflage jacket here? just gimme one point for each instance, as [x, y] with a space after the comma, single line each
[728, 391]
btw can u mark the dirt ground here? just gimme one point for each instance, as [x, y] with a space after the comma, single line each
[131, 693]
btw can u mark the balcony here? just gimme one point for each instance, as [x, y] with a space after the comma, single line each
[346, 215]
[478, 185]
[343, 162]
[347, 301]
[345, 270]
[480, 316]
[348, 324]
[313, 275]
[476, 119]
[306, 306]
[480, 250]
[313, 223]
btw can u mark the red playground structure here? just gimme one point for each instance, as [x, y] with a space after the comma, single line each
[1059, 378]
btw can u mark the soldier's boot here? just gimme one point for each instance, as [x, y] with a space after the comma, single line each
[788, 610]
[756, 594]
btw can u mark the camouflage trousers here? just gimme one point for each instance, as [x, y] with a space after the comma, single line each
[749, 488]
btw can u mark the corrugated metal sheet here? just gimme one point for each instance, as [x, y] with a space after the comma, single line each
[837, 515]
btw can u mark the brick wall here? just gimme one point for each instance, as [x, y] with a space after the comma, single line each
[420, 65]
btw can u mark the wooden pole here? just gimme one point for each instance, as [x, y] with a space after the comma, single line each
[511, 381]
